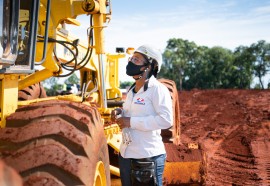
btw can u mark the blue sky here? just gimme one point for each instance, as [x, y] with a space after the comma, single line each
[210, 23]
[206, 22]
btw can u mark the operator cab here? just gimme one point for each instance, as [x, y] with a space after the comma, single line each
[18, 26]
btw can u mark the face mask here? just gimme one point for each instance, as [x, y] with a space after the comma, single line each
[133, 70]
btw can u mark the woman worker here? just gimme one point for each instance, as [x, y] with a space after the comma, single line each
[146, 110]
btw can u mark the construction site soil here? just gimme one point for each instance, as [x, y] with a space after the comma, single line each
[232, 127]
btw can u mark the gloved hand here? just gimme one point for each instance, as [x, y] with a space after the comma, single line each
[116, 116]
[116, 113]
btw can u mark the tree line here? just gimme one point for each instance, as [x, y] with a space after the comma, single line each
[192, 66]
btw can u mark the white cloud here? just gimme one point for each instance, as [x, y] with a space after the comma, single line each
[262, 10]
[215, 28]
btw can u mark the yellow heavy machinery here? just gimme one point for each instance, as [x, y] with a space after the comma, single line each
[67, 140]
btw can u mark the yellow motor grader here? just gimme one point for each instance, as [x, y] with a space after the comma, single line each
[68, 139]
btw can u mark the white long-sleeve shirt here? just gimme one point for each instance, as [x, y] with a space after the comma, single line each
[149, 112]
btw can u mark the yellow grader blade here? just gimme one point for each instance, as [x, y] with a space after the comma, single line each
[184, 165]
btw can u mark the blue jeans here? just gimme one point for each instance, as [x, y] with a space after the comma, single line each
[125, 169]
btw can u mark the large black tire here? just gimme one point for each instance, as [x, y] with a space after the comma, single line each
[56, 143]
[172, 135]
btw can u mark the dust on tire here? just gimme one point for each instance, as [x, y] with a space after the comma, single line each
[55, 142]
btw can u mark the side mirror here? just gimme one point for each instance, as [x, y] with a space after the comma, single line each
[120, 50]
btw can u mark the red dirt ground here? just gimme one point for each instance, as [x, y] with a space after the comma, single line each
[233, 128]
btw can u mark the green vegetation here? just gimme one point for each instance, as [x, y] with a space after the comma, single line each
[125, 84]
[54, 88]
[192, 66]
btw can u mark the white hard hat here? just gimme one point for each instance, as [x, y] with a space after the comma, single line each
[152, 53]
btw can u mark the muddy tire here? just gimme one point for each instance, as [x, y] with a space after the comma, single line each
[8, 176]
[32, 92]
[172, 135]
[56, 143]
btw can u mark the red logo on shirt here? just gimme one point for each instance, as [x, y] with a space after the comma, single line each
[140, 101]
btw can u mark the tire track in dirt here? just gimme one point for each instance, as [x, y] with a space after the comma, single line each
[223, 164]
[261, 150]
[232, 127]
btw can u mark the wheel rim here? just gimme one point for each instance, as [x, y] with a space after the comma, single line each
[100, 175]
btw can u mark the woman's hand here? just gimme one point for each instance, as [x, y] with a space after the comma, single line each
[123, 122]
[116, 116]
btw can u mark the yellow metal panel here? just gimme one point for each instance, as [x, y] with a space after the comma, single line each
[70, 97]
[99, 33]
[113, 79]
[114, 136]
[115, 141]
[66, 55]
[114, 170]
[9, 96]
[35, 78]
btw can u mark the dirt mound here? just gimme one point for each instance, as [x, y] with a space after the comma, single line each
[233, 128]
